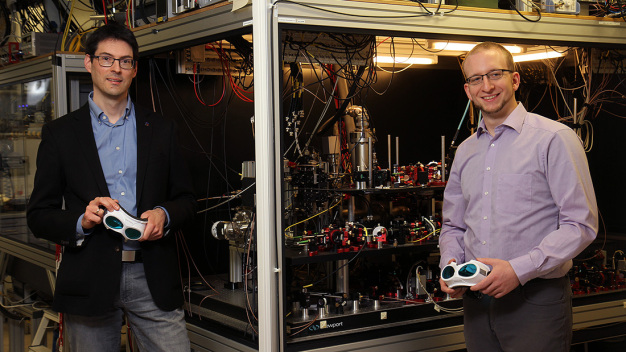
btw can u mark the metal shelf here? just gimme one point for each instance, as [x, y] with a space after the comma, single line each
[388, 18]
[40, 257]
[464, 22]
[197, 27]
[398, 18]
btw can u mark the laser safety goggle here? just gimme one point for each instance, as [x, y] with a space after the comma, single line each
[466, 274]
[129, 226]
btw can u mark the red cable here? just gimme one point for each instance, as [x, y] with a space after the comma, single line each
[333, 79]
[129, 335]
[58, 257]
[382, 41]
[226, 68]
[238, 90]
[104, 11]
[195, 91]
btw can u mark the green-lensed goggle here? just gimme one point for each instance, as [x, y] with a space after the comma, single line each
[129, 226]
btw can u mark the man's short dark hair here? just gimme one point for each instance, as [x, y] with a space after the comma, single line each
[112, 30]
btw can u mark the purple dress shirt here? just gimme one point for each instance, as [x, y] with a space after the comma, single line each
[523, 195]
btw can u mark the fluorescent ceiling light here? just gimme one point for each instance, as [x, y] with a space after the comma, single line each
[413, 60]
[514, 49]
[453, 46]
[537, 56]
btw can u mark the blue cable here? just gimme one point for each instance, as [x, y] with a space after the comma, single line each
[456, 134]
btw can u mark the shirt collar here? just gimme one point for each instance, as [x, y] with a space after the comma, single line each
[515, 120]
[97, 113]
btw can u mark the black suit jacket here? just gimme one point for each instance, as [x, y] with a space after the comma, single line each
[69, 176]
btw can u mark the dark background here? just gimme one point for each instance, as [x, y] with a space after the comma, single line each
[419, 105]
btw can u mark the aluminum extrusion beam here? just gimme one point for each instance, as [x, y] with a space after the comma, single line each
[599, 313]
[205, 340]
[268, 162]
[39, 257]
[26, 70]
[192, 28]
[64, 63]
[441, 339]
[395, 17]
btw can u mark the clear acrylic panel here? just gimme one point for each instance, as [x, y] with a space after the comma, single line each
[24, 108]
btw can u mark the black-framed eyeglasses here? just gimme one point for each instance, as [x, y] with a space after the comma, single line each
[491, 75]
[108, 61]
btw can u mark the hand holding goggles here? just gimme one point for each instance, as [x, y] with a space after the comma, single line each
[129, 226]
[467, 274]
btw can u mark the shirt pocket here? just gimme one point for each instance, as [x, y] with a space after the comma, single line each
[514, 194]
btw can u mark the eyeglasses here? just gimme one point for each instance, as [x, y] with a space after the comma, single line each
[467, 274]
[122, 222]
[108, 61]
[491, 75]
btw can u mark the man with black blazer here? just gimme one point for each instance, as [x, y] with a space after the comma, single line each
[107, 154]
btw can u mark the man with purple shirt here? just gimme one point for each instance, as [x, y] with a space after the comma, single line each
[519, 199]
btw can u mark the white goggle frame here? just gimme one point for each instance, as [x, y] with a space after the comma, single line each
[466, 274]
[122, 222]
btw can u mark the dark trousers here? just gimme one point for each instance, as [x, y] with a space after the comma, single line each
[534, 317]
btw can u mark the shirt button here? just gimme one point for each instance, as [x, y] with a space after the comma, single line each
[123, 193]
[119, 171]
[484, 243]
[486, 193]
[488, 168]
[484, 218]
[493, 145]
[117, 148]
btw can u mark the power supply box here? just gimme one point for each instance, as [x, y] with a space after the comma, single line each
[37, 44]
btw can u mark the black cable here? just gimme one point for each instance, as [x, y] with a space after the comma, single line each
[424, 7]
[213, 124]
[229, 188]
[177, 98]
[243, 49]
[142, 12]
[89, 6]
[180, 110]
[428, 13]
[436, 12]
[426, 49]
[320, 80]
[64, 13]
[560, 52]
[6, 313]
[341, 111]
[524, 17]
[156, 87]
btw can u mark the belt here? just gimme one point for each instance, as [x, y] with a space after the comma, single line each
[132, 257]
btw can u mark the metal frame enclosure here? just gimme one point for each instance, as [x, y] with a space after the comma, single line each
[387, 17]
[55, 66]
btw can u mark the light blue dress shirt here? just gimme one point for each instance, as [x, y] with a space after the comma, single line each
[117, 149]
